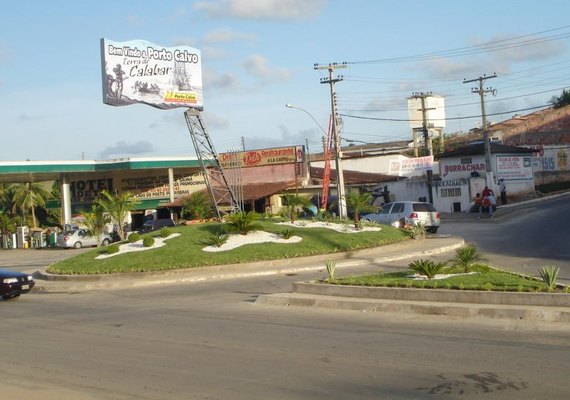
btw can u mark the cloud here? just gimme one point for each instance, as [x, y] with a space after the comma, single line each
[224, 35]
[262, 9]
[285, 138]
[213, 80]
[122, 148]
[257, 66]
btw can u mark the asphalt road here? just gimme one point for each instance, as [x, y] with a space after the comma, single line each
[211, 341]
[534, 235]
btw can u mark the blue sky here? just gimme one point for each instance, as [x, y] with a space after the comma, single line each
[257, 56]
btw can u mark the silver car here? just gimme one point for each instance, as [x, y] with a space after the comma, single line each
[81, 238]
[401, 213]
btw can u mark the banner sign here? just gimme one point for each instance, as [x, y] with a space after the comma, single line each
[514, 167]
[408, 166]
[142, 72]
[256, 158]
[551, 159]
[85, 189]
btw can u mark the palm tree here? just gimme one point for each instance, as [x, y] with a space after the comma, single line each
[28, 196]
[118, 207]
[293, 201]
[359, 202]
[466, 257]
[198, 205]
[95, 220]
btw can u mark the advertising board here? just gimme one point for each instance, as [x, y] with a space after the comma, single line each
[141, 72]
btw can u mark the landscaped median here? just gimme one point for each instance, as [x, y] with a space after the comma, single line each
[554, 307]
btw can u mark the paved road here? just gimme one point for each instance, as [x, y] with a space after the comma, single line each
[210, 341]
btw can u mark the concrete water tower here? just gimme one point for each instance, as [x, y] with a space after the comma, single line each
[426, 113]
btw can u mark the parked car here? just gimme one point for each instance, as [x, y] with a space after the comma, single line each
[401, 213]
[13, 284]
[156, 225]
[79, 238]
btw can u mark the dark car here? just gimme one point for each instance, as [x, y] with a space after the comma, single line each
[13, 284]
[157, 224]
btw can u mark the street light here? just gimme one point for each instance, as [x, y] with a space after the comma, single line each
[338, 164]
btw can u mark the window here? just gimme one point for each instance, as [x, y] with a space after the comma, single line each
[450, 192]
[398, 208]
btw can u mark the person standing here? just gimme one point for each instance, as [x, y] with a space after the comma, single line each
[503, 190]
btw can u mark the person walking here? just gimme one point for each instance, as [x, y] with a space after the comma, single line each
[503, 190]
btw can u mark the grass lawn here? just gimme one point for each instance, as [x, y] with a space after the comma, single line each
[185, 251]
[484, 278]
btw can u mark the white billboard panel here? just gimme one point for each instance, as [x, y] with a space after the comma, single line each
[435, 111]
[142, 72]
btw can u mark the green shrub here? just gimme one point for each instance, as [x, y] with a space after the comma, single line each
[215, 239]
[287, 234]
[549, 274]
[242, 222]
[165, 232]
[466, 257]
[112, 249]
[133, 237]
[426, 267]
[417, 231]
[331, 268]
[148, 241]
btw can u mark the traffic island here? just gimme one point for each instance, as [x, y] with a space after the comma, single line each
[548, 307]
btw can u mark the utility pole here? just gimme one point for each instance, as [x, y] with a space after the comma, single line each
[427, 141]
[331, 80]
[481, 92]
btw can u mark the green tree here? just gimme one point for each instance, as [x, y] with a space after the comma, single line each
[562, 100]
[28, 196]
[466, 257]
[118, 207]
[359, 202]
[198, 206]
[242, 222]
[96, 219]
[293, 203]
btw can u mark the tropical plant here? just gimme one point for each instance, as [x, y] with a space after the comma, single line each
[197, 206]
[426, 267]
[165, 232]
[96, 220]
[549, 274]
[242, 222]
[417, 231]
[215, 239]
[293, 202]
[29, 196]
[112, 249]
[359, 203]
[466, 257]
[287, 233]
[118, 207]
[331, 268]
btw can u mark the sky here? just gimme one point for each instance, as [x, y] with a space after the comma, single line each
[258, 55]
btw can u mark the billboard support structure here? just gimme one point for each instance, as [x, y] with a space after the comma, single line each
[220, 191]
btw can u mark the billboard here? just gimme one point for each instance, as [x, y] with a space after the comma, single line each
[141, 72]
[257, 158]
[410, 166]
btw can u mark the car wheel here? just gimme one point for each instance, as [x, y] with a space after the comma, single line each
[77, 245]
[11, 297]
[432, 229]
[105, 242]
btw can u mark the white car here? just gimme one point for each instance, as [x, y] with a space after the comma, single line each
[79, 238]
[401, 213]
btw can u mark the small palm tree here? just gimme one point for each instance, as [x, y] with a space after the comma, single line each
[426, 267]
[294, 201]
[466, 257]
[95, 220]
[118, 207]
[242, 222]
[198, 206]
[359, 202]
